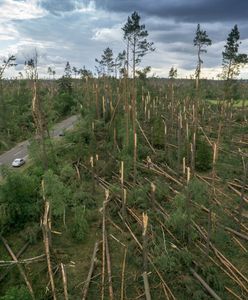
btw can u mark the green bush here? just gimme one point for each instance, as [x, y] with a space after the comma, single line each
[18, 200]
[15, 293]
[79, 225]
[203, 160]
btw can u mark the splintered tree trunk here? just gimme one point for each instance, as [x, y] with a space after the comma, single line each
[245, 167]
[188, 209]
[153, 189]
[39, 123]
[92, 264]
[45, 230]
[209, 231]
[64, 278]
[97, 102]
[123, 274]
[111, 292]
[104, 240]
[123, 192]
[135, 158]
[179, 142]
[145, 257]
[93, 174]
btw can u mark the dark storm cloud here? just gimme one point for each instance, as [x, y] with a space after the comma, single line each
[58, 6]
[182, 10]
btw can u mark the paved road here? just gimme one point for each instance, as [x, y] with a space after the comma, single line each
[21, 150]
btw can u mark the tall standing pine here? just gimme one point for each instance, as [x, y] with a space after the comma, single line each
[232, 60]
[201, 40]
[135, 35]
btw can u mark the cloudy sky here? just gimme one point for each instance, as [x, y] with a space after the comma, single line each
[79, 30]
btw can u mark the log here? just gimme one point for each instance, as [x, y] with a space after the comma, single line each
[92, 265]
[111, 293]
[205, 285]
[241, 235]
[144, 135]
[123, 274]
[64, 279]
[146, 285]
[144, 249]
[21, 251]
[21, 270]
[45, 230]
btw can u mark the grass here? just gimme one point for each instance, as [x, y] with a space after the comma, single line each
[237, 103]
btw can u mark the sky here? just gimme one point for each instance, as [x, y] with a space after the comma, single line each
[79, 30]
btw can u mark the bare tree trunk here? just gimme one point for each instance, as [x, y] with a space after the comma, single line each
[97, 102]
[245, 166]
[92, 264]
[205, 285]
[145, 257]
[188, 208]
[64, 281]
[45, 230]
[123, 274]
[104, 240]
[111, 293]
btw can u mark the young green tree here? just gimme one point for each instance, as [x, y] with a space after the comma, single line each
[7, 63]
[135, 36]
[120, 63]
[84, 73]
[49, 71]
[143, 73]
[68, 70]
[75, 71]
[65, 82]
[232, 60]
[106, 63]
[173, 73]
[201, 40]
[54, 72]
[108, 60]
[100, 69]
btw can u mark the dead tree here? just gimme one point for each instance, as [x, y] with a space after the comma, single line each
[145, 257]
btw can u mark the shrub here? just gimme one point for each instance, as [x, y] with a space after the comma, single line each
[203, 161]
[18, 200]
[15, 293]
[79, 226]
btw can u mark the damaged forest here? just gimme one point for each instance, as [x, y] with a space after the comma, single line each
[146, 197]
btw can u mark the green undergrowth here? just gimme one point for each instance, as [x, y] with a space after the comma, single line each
[76, 190]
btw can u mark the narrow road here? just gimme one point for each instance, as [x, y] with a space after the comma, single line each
[21, 149]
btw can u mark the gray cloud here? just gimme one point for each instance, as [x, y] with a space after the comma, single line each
[67, 31]
[181, 10]
[58, 6]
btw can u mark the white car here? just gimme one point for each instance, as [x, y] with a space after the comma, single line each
[18, 162]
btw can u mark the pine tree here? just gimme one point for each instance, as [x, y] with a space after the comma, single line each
[173, 73]
[135, 35]
[201, 40]
[106, 63]
[75, 71]
[120, 63]
[68, 70]
[108, 60]
[232, 61]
